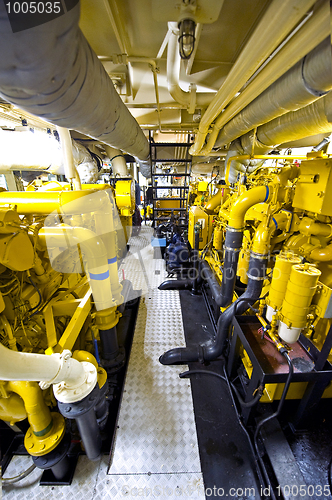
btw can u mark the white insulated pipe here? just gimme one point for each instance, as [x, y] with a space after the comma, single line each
[188, 99]
[295, 125]
[54, 368]
[118, 161]
[68, 159]
[276, 23]
[304, 83]
[315, 30]
[94, 253]
[52, 72]
[305, 122]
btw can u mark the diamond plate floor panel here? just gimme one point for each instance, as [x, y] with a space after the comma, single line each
[156, 431]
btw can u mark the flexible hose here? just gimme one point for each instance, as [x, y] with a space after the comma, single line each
[245, 404]
[15, 479]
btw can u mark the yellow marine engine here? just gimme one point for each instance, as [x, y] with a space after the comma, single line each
[265, 247]
[60, 302]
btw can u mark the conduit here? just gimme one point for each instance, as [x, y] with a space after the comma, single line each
[279, 19]
[304, 83]
[51, 71]
[316, 29]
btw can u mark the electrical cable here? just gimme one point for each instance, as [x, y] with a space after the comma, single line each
[245, 404]
[226, 379]
[275, 414]
[15, 479]
[38, 291]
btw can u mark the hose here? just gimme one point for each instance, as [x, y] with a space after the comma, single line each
[244, 404]
[275, 414]
[38, 291]
[11, 480]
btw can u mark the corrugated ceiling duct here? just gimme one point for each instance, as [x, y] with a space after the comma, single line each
[305, 122]
[52, 72]
[303, 84]
[313, 119]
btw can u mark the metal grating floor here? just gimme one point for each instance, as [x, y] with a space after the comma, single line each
[156, 451]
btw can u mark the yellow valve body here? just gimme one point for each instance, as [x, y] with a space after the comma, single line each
[299, 292]
[280, 277]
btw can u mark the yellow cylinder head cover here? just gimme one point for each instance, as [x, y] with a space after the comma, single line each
[299, 292]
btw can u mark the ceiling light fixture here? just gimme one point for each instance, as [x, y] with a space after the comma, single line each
[186, 38]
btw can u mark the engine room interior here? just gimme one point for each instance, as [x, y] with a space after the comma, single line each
[166, 249]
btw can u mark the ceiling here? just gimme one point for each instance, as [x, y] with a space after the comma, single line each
[115, 27]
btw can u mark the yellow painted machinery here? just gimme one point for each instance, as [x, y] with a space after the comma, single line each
[266, 255]
[59, 308]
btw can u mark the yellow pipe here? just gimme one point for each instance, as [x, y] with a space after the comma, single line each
[261, 242]
[9, 332]
[258, 157]
[308, 227]
[213, 203]
[245, 201]
[42, 202]
[322, 254]
[39, 415]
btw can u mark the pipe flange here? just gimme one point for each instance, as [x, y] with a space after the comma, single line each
[115, 364]
[234, 250]
[41, 445]
[259, 256]
[68, 394]
[48, 461]
[256, 278]
[79, 408]
[234, 230]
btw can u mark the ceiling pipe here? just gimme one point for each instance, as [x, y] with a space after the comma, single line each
[276, 23]
[307, 81]
[68, 158]
[310, 120]
[314, 31]
[118, 161]
[293, 126]
[51, 71]
[188, 99]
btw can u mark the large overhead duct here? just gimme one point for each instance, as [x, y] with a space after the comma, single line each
[276, 23]
[51, 71]
[303, 84]
[305, 122]
[305, 39]
[313, 119]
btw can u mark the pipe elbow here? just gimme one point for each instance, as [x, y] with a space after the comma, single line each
[175, 285]
[181, 355]
[213, 203]
[322, 254]
[260, 194]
